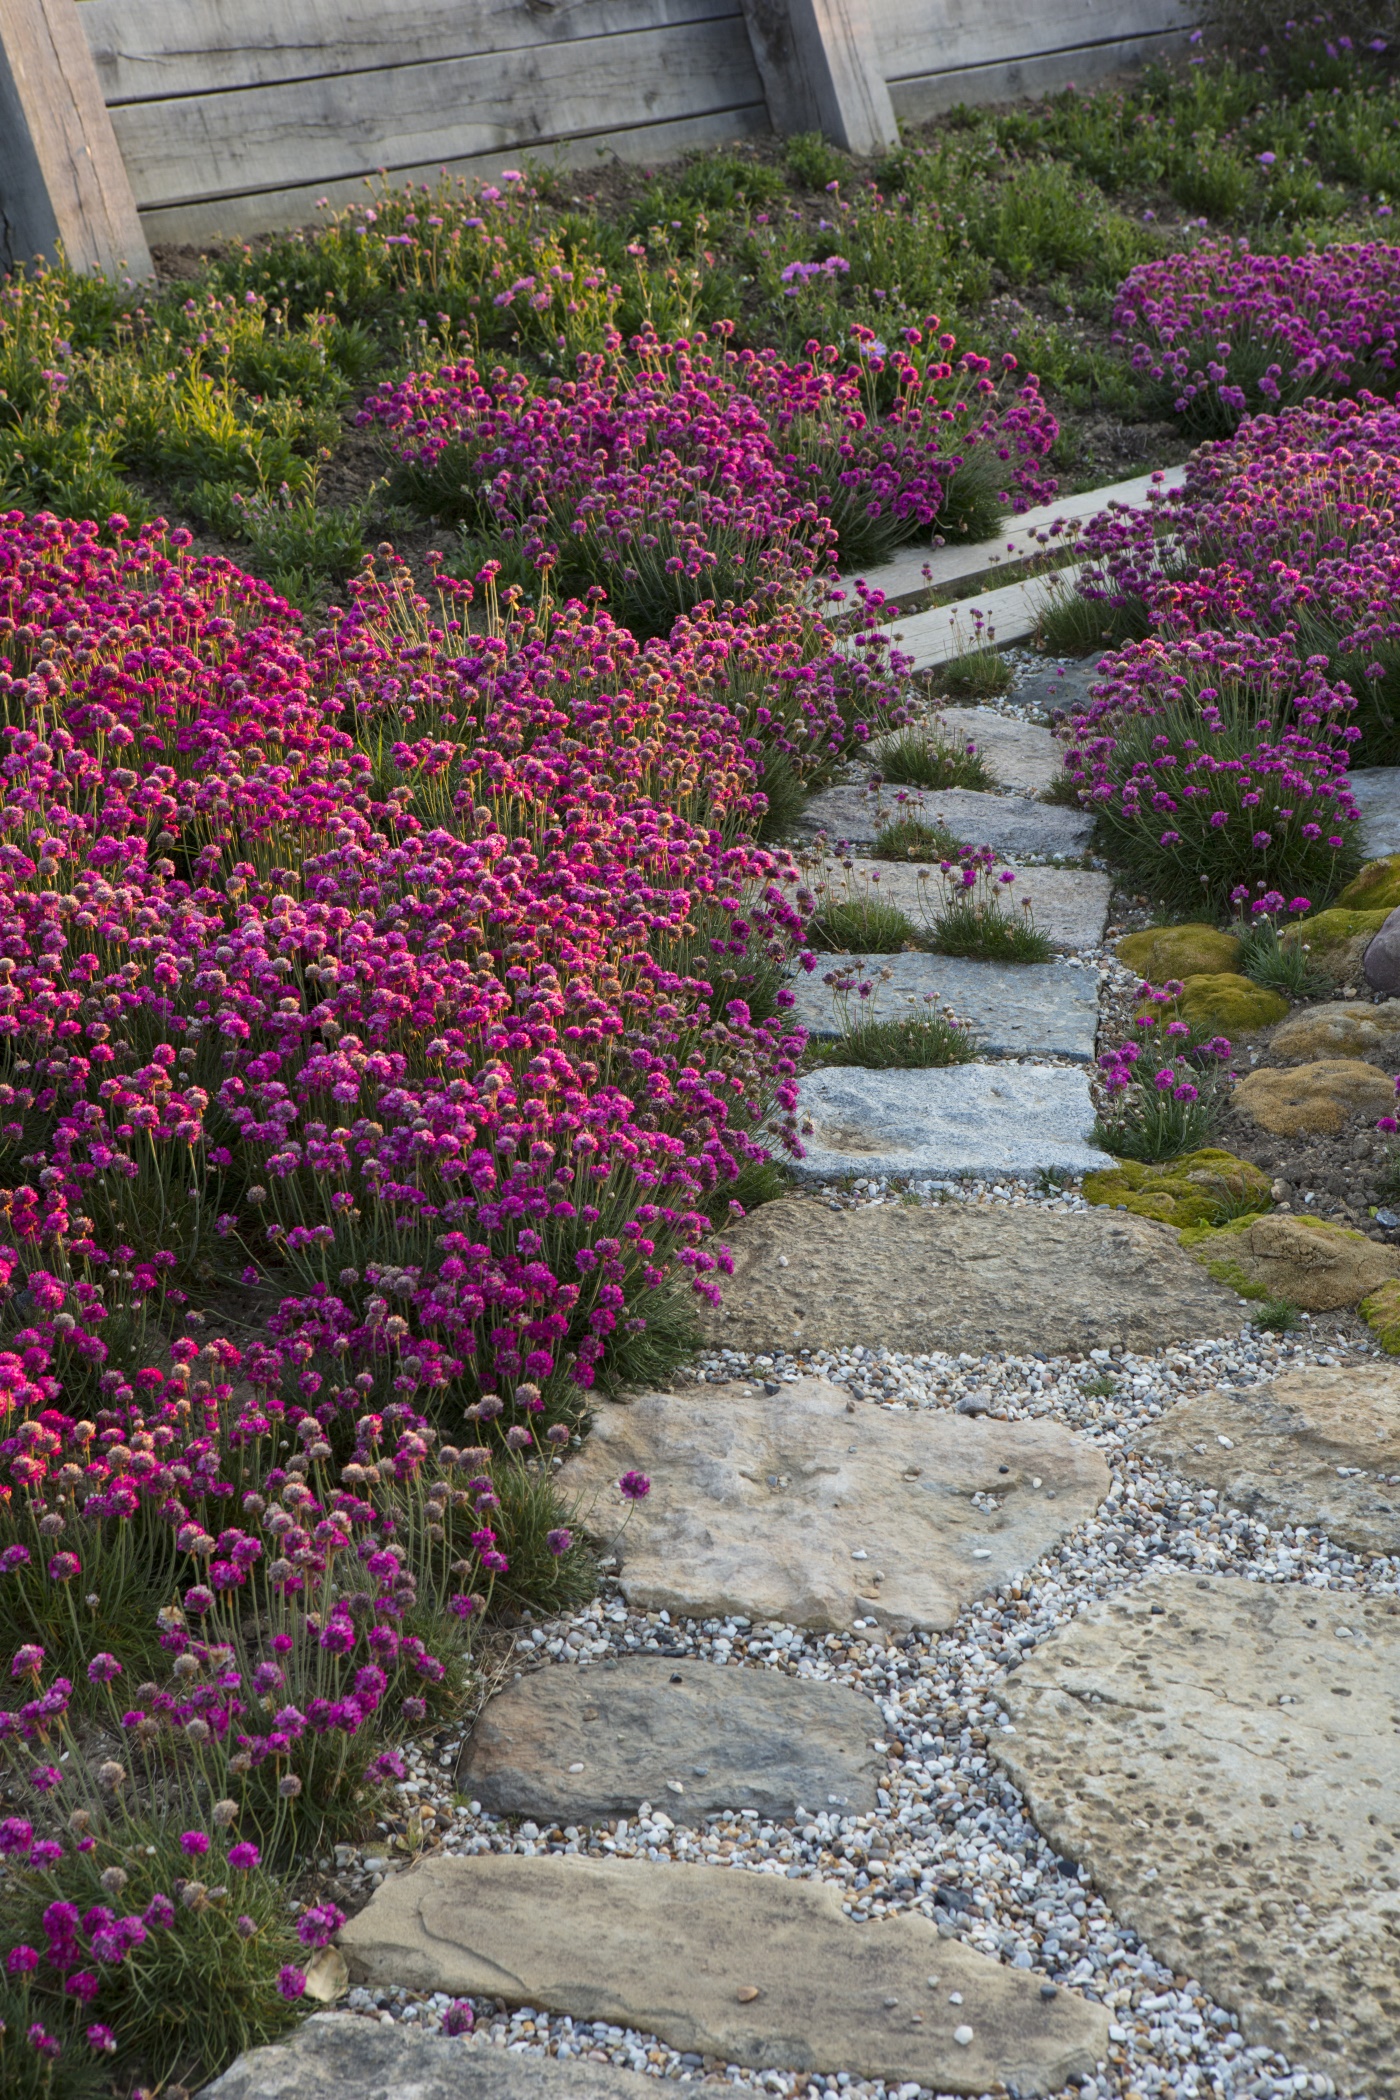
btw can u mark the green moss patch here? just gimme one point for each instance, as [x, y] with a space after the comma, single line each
[1205, 1188]
[1376, 888]
[1179, 951]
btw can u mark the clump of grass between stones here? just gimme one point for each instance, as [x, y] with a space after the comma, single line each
[917, 759]
[974, 920]
[1277, 1316]
[863, 926]
[919, 1041]
[978, 674]
[909, 838]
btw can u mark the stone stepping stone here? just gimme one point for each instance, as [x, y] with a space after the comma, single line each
[1314, 1448]
[575, 1746]
[1023, 757]
[805, 1507]
[1070, 904]
[979, 1119]
[1376, 793]
[903, 576]
[752, 1968]
[953, 1277]
[1027, 1009]
[1217, 1753]
[1009, 614]
[338, 2056]
[1009, 823]
[1061, 687]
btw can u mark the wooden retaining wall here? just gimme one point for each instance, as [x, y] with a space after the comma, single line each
[238, 116]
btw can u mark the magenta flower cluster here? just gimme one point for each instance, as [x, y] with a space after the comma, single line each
[1222, 331]
[671, 472]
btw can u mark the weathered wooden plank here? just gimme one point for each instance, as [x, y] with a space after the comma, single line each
[61, 176]
[320, 131]
[821, 71]
[916, 37]
[148, 50]
[917, 99]
[265, 211]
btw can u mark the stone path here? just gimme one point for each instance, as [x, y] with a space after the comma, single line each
[982, 1119]
[575, 1747]
[1009, 823]
[957, 1278]
[1069, 905]
[1023, 757]
[1319, 1448]
[904, 577]
[801, 1506]
[752, 1968]
[1225, 1758]
[337, 2057]
[1376, 792]
[1025, 1009]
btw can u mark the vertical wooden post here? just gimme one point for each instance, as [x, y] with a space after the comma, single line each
[820, 69]
[61, 172]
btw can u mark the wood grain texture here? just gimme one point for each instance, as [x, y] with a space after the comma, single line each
[321, 131]
[148, 50]
[61, 175]
[920, 97]
[936, 36]
[264, 211]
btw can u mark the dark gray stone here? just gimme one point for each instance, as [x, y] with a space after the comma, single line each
[716, 1739]
[1381, 961]
[1027, 1009]
[337, 2056]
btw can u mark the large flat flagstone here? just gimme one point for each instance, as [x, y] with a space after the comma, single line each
[981, 1119]
[1224, 1757]
[955, 1277]
[790, 1506]
[575, 1746]
[752, 1968]
[1022, 757]
[1010, 823]
[1319, 1447]
[1068, 905]
[1029, 1009]
[338, 2056]
[1376, 793]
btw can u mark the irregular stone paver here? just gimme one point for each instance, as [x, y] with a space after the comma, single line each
[1342, 1028]
[1031, 1009]
[1228, 1768]
[1022, 757]
[1060, 687]
[1008, 822]
[788, 1506]
[989, 1120]
[1376, 793]
[1010, 613]
[1313, 1100]
[955, 1278]
[1314, 1263]
[575, 1746]
[1069, 905]
[677, 1951]
[1314, 1448]
[335, 2056]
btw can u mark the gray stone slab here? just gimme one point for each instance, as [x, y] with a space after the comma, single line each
[1008, 822]
[1318, 1447]
[1224, 1757]
[979, 1119]
[577, 1745]
[954, 1277]
[1069, 905]
[788, 1506]
[1376, 793]
[1061, 687]
[338, 2056]
[1029, 1009]
[752, 1968]
[1022, 757]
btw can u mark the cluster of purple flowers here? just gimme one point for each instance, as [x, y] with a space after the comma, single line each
[1222, 331]
[673, 472]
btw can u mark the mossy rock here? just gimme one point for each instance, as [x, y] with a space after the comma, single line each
[1381, 1312]
[1179, 951]
[1200, 1188]
[1337, 940]
[1376, 888]
[1226, 1004]
[1311, 1262]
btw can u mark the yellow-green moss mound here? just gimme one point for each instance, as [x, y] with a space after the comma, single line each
[1200, 1188]
[1311, 1262]
[1179, 951]
[1376, 888]
[1227, 1004]
[1381, 1312]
